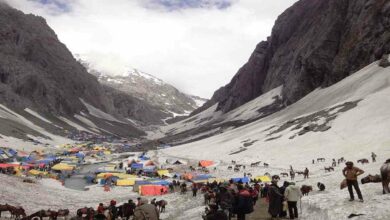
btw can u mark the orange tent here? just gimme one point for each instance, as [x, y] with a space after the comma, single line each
[205, 163]
[153, 190]
[188, 176]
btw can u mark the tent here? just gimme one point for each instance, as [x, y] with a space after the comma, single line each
[149, 163]
[218, 180]
[119, 175]
[125, 182]
[205, 163]
[63, 167]
[153, 190]
[203, 177]
[37, 172]
[160, 182]
[188, 176]
[162, 172]
[12, 152]
[179, 162]
[264, 179]
[242, 179]
[137, 166]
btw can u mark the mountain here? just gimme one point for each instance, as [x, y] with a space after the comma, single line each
[45, 92]
[163, 96]
[314, 44]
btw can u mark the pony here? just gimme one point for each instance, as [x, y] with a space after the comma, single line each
[266, 164]
[328, 169]
[306, 189]
[63, 213]
[385, 174]
[17, 212]
[371, 179]
[284, 174]
[321, 159]
[363, 161]
[4, 208]
[230, 168]
[255, 164]
[161, 205]
[42, 214]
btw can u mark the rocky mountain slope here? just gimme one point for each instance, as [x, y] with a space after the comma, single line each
[152, 90]
[41, 84]
[315, 43]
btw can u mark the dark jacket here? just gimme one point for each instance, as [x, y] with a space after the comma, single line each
[243, 203]
[216, 215]
[275, 200]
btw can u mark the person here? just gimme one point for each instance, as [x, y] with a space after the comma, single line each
[153, 202]
[306, 173]
[243, 203]
[138, 201]
[172, 187]
[351, 173]
[128, 209]
[101, 209]
[113, 210]
[214, 214]
[225, 200]
[194, 189]
[282, 189]
[146, 211]
[292, 174]
[292, 195]
[373, 156]
[275, 199]
[255, 195]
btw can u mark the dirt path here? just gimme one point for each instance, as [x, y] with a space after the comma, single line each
[260, 211]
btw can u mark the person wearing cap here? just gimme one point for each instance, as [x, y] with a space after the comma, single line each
[275, 198]
[146, 211]
[351, 173]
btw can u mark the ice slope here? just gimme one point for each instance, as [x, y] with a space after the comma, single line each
[353, 134]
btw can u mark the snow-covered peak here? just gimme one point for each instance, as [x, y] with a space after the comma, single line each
[137, 73]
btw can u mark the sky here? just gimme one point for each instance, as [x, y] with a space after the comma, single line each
[195, 45]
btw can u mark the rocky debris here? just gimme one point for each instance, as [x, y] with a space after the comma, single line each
[316, 122]
[314, 43]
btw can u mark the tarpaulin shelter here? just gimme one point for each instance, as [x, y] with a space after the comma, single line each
[162, 172]
[202, 177]
[7, 165]
[218, 180]
[160, 182]
[37, 172]
[119, 175]
[125, 182]
[137, 166]
[139, 183]
[143, 157]
[1, 151]
[264, 179]
[241, 179]
[12, 152]
[188, 176]
[153, 190]
[205, 163]
[63, 167]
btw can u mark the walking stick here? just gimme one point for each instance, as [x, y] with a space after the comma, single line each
[300, 206]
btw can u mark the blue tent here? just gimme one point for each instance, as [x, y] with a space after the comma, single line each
[80, 155]
[203, 177]
[1, 151]
[12, 152]
[45, 161]
[243, 180]
[143, 157]
[137, 165]
[161, 182]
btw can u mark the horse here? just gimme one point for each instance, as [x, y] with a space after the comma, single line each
[63, 213]
[88, 212]
[363, 161]
[328, 169]
[17, 212]
[43, 214]
[230, 168]
[371, 179]
[284, 174]
[306, 189]
[266, 164]
[267, 174]
[4, 208]
[300, 172]
[385, 174]
[236, 169]
[234, 162]
[255, 164]
[321, 159]
[161, 205]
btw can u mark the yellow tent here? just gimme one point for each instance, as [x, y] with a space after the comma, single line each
[264, 179]
[125, 182]
[119, 175]
[37, 172]
[107, 152]
[63, 167]
[162, 172]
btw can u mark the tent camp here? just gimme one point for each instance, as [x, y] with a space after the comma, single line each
[153, 190]
[263, 179]
[241, 179]
[205, 163]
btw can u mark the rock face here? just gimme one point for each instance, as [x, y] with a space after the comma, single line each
[314, 43]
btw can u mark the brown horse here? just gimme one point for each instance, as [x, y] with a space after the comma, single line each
[42, 214]
[4, 208]
[161, 205]
[371, 179]
[88, 212]
[284, 174]
[306, 189]
[328, 169]
[385, 174]
[17, 212]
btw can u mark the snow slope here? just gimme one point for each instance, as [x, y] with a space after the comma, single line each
[349, 119]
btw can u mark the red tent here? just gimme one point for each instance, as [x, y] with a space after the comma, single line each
[153, 190]
[205, 163]
[6, 165]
